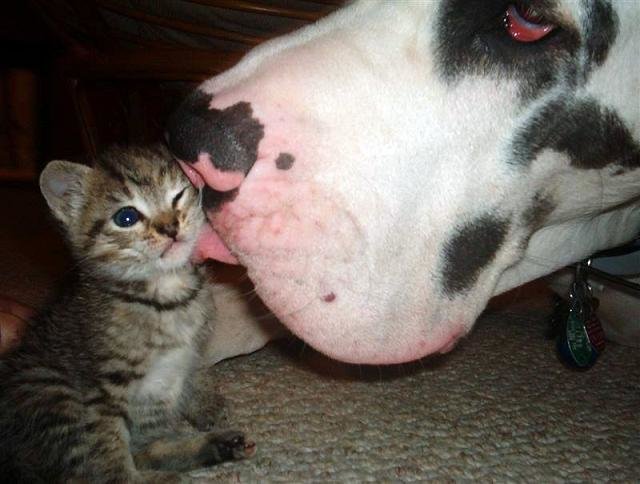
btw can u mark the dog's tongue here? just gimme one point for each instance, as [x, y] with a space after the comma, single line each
[210, 246]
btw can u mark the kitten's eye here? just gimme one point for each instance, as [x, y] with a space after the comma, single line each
[177, 198]
[126, 217]
[524, 24]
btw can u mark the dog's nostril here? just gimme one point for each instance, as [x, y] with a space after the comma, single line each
[204, 172]
[213, 199]
[193, 176]
[219, 179]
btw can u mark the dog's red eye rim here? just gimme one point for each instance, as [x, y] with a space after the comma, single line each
[524, 27]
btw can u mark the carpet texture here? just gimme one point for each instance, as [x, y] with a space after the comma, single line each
[500, 407]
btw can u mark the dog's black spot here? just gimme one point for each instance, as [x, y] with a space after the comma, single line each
[600, 32]
[213, 199]
[284, 161]
[230, 136]
[470, 249]
[592, 135]
[471, 40]
[328, 298]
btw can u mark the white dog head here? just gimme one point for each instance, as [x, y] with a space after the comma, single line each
[386, 171]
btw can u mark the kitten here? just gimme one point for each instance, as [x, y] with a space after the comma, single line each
[104, 382]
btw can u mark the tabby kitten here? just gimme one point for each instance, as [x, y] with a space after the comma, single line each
[106, 385]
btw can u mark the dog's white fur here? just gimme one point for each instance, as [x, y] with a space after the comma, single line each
[390, 158]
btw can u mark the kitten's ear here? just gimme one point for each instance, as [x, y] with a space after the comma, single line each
[62, 184]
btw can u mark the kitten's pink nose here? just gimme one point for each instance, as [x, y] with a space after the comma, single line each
[203, 172]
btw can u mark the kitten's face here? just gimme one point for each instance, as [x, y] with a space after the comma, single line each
[131, 216]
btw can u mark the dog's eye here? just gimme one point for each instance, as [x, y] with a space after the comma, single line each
[524, 24]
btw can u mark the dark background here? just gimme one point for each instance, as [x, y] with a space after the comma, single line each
[79, 75]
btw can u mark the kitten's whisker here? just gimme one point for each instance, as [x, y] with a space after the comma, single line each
[265, 317]
[252, 294]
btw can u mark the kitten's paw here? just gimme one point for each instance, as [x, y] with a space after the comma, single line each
[228, 445]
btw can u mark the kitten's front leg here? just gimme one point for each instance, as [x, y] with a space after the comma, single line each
[103, 455]
[106, 447]
[200, 404]
[108, 456]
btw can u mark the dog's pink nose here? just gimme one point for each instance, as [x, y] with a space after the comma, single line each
[203, 172]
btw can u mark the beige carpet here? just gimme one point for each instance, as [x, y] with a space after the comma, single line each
[500, 407]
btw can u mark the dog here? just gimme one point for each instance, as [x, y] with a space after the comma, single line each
[386, 171]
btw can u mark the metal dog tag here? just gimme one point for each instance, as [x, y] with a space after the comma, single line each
[582, 339]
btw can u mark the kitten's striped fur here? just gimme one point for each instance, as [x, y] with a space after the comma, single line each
[105, 381]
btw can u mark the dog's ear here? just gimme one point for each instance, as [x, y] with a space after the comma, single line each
[63, 183]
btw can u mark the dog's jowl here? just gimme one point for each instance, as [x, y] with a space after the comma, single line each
[413, 159]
